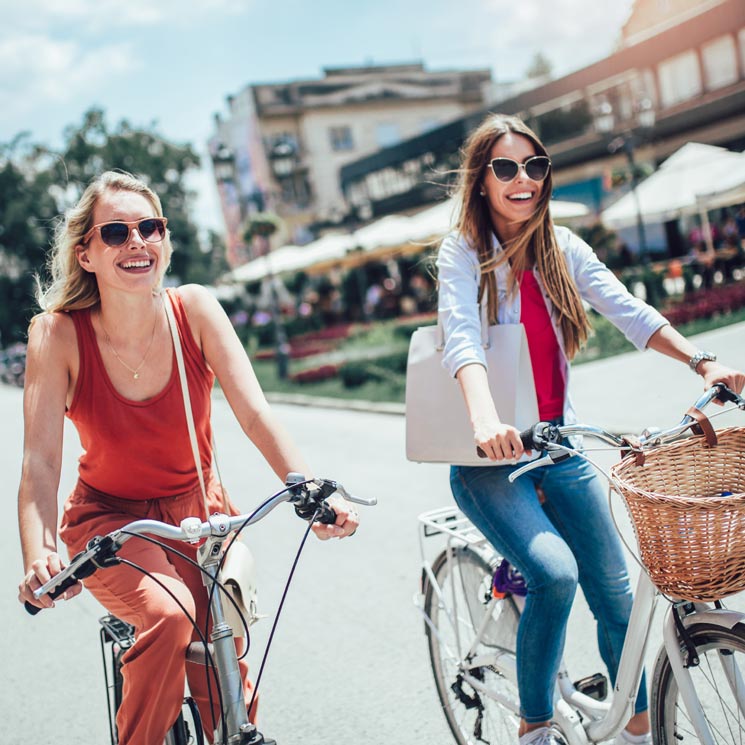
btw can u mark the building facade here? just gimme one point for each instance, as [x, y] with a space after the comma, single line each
[281, 146]
[677, 75]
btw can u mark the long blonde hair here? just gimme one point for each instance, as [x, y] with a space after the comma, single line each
[71, 287]
[536, 240]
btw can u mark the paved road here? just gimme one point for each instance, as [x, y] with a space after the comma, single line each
[349, 660]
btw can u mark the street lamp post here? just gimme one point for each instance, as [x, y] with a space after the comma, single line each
[627, 142]
[263, 226]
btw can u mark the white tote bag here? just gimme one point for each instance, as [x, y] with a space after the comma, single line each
[438, 429]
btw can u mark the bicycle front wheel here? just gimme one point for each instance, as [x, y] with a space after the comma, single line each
[469, 635]
[719, 684]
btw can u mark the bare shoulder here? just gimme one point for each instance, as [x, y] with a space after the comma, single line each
[197, 300]
[203, 312]
[52, 333]
[52, 348]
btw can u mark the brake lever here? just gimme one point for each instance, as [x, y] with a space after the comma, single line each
[552, 456]
[342, 492]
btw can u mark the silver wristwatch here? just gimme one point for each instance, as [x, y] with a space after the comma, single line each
[700, 356]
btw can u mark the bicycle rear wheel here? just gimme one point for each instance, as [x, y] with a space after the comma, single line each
[464, 644]
[719, 683]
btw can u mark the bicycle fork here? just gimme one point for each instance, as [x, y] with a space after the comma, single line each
[235, 718]
[678, 656]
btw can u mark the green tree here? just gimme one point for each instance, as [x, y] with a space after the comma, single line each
[539, 67]
[27, 218]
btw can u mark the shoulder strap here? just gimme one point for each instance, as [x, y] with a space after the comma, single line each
[168, 304]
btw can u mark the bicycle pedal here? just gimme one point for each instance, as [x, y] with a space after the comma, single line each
[595, 686]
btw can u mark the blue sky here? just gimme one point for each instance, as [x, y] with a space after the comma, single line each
[173, 62]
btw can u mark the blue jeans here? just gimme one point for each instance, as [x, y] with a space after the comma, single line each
[570, 538]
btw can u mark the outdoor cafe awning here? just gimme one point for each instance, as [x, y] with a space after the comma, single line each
[391, 235]
[695, 178]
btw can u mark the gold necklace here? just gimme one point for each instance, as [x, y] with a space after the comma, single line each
[135, 371]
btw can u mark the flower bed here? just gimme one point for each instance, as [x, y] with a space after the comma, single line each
[706, 303]
[315, 374]
[314, 342]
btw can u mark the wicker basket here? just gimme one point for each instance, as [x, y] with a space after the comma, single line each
[687, 505]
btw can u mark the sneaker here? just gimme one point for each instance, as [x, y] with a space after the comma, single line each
[543, 736]
[626, 738]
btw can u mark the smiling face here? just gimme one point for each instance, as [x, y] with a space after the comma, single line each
[137, 263]
[512, 204]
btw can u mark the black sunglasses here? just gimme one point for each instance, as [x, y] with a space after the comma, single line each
[506, 169]
[151, 229]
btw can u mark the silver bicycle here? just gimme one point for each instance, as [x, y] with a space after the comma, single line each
[215, 536]
[471, 600]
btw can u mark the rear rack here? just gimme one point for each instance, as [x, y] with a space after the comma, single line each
[451, 522]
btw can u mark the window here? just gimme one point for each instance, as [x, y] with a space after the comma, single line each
[341, 138]
[720, 62]
[680, 78]
[388, 133]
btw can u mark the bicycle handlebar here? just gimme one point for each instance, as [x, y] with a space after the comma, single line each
[541, 435]
[546, 437]
[308, 496]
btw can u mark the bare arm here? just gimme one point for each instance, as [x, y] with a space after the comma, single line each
[668, 341]
[45, 392]
[224, 353]
[498, 440]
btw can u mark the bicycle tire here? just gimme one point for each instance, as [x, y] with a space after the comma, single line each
[473, 718]
[725, 717]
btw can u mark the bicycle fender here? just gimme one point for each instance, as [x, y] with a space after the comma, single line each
[715, 616]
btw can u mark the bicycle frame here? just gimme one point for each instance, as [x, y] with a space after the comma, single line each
[234, 727]
[600, 720]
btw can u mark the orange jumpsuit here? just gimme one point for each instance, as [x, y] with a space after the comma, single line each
[138, 463]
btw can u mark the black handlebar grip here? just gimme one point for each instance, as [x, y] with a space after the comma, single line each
[326, 514]
[54, 594]
[526, 438]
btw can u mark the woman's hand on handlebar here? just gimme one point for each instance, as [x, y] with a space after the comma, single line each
[497, 440]
[714, 372]
[347, 520]
[41, 571]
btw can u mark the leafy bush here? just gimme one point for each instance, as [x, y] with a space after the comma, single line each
[388, 367]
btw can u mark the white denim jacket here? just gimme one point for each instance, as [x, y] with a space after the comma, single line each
[459, 274]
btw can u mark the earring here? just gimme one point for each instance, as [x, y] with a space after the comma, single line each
[482, 193]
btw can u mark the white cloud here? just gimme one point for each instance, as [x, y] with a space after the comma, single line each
[36, 70]
[570, 33]
[91, 16]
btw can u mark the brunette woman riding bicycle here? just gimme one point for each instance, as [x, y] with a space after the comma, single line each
[554, 526]
[101, 353]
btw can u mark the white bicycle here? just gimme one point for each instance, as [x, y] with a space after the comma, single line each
[471, 600]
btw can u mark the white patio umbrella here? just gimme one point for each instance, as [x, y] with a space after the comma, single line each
[292, 258]
[697, 177]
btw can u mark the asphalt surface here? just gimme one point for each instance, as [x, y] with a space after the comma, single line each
[349, 662]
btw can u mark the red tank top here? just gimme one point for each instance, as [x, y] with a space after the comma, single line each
[545, 355]
[140, 449]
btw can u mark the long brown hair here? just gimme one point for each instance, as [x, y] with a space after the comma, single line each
[536, 241]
